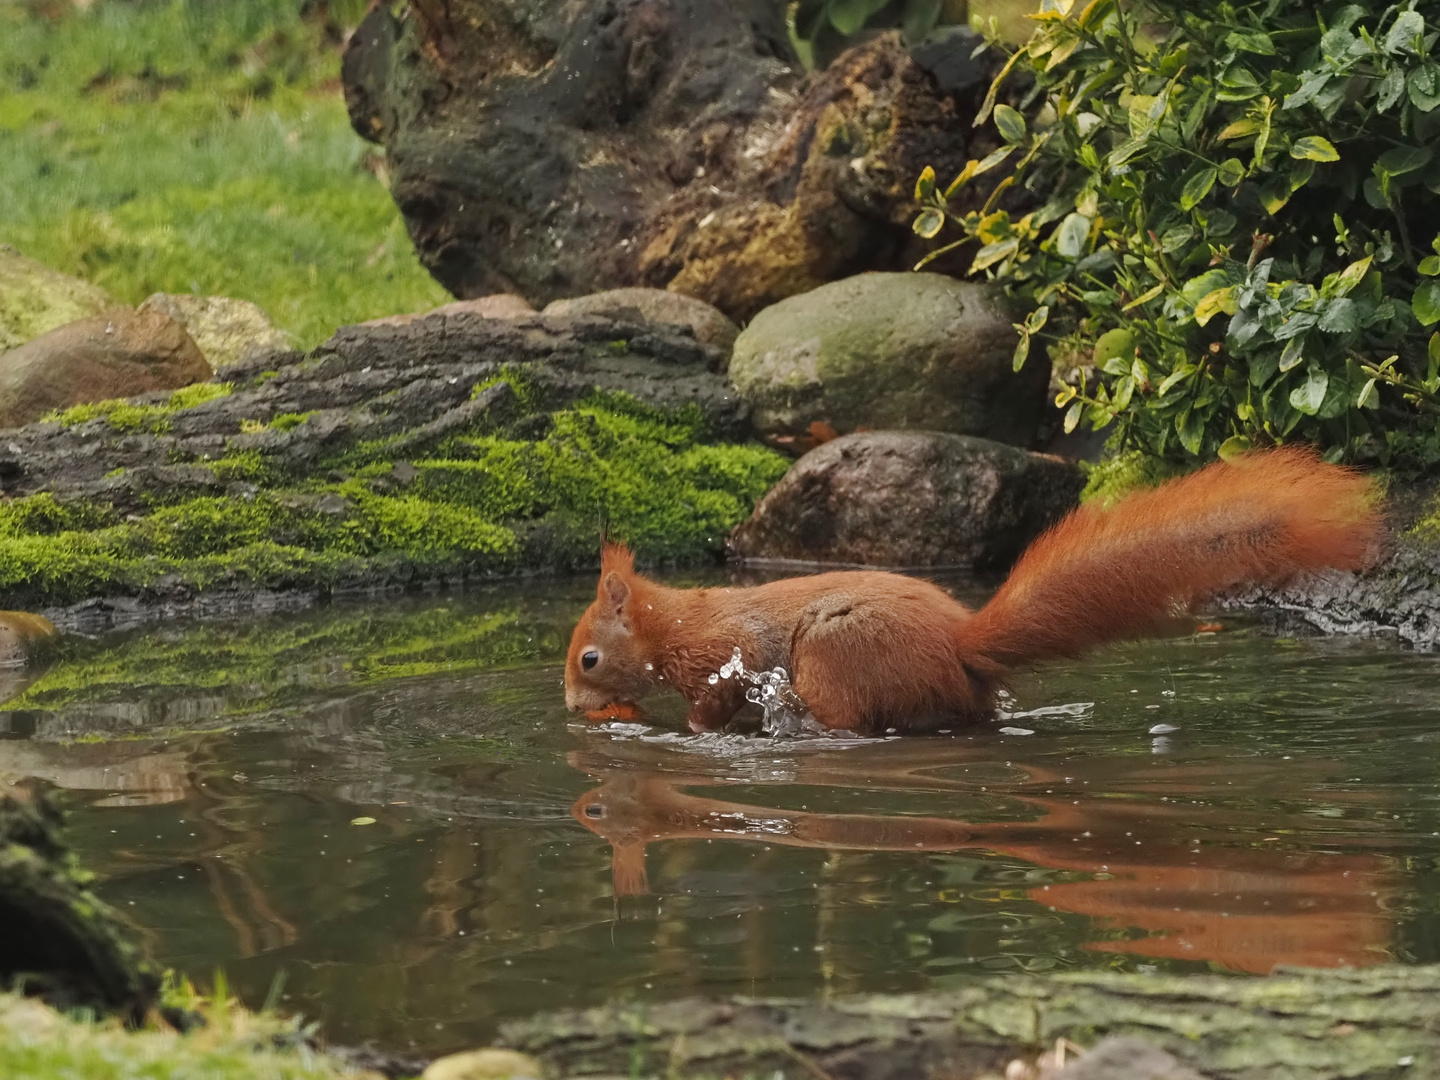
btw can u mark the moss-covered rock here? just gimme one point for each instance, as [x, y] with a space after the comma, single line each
[59, 939]
[35, 299]
[450, 448]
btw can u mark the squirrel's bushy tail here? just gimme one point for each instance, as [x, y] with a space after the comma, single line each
[1105, 574]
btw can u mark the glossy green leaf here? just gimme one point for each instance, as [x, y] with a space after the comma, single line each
[1198, 182]
[1426, 302]
[1071, 236]
[1113, 345]
[1009, 123]
[1406, 33]
[1233, 447]
[1310, 395]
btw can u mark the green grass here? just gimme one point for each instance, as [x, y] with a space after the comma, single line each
[38, 1043]
[198, 146]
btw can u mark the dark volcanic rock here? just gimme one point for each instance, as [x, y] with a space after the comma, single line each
[552, 148]
[909, 499]
[119, 354]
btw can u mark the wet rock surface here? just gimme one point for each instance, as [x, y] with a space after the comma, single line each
[549, 149]
[35, 299]
[116, 355]
[919, 351]
[1213, 1026]
[1127, 1059]
[227, 331]
[909, 499]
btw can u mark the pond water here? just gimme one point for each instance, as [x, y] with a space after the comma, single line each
[1226, 801]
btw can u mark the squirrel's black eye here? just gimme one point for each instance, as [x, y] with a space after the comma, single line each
[589, 660]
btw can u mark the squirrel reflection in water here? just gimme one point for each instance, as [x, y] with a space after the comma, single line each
[1231, 901]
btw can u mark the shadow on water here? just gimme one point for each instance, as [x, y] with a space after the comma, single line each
[387, 805]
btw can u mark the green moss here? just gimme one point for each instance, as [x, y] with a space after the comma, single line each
[286, 421]
[485, 503]
[124, 415]
[187, 397]
[198, 146]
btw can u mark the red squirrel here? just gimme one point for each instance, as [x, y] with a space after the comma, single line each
[869, 650]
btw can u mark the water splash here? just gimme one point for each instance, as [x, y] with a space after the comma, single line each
[785, 713]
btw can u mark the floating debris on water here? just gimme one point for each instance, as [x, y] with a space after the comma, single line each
[1016, 731]
[1164, 729]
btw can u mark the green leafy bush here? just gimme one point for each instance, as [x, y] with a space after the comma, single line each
[1230, 211]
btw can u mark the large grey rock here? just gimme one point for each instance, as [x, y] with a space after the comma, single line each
[909, 499]
[116, 355]
[35, 299]
[889, 351]
[228, 331]
[656, 305]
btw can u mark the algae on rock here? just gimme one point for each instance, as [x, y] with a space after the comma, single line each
[450, 448]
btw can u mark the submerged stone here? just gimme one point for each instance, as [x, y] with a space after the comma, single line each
[488, 1064]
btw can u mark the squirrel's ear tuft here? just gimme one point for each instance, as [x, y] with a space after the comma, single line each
[616, 558]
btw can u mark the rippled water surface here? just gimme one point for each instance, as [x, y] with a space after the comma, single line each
[518, 861]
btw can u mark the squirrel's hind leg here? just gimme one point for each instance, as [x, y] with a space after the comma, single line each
[859, 664]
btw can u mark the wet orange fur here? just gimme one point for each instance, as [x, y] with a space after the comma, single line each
[871, 650]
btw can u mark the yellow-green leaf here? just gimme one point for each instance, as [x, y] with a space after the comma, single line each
[1233, 447]
[362, 821]
[1182, 372]
[1197, 185]
[928, 223]
[1145, 297]
[1339, 284]
[1239, 129]
[1009, 123]
[1213, 303]
[991, 254]
[925, 184]
[1314, 148]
